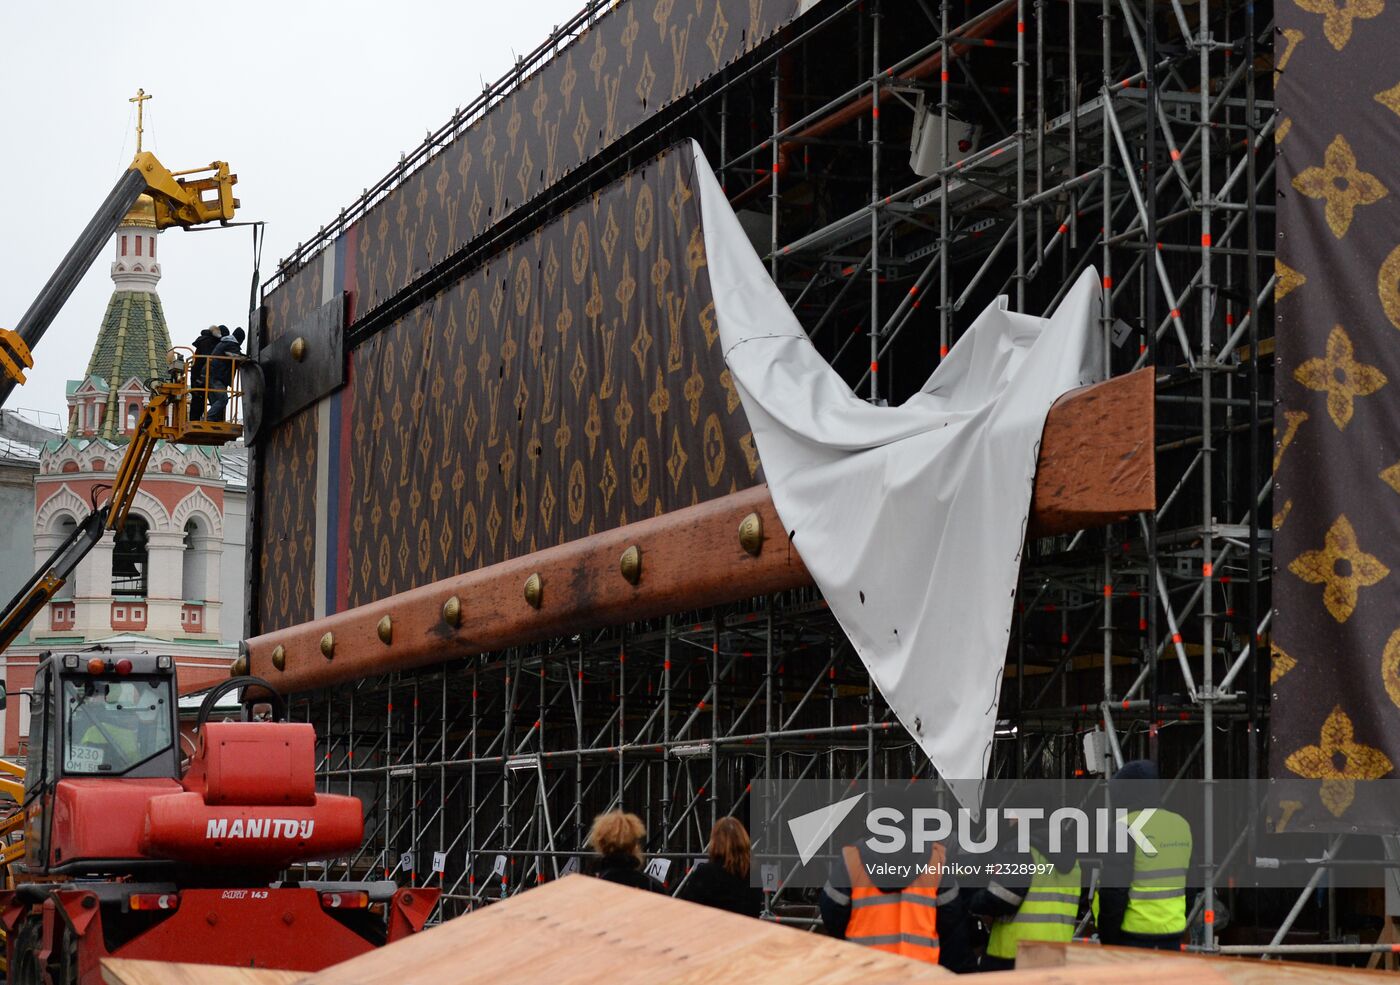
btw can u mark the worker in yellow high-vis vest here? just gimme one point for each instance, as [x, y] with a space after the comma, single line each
[1142, 897]
[1015, 906]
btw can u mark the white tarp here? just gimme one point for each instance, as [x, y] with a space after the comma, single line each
[911, 519]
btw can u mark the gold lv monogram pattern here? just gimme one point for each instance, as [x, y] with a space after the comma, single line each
[287, 547]
[1342, 566]
[1338, 17]
[1289, 280]
[1339, 761]
[1340, 376]
[1343, 185]
[564, 406]
[1280, 663]
[1390, 667]
[1388, 286]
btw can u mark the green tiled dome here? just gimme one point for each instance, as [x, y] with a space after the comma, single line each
[132, 341]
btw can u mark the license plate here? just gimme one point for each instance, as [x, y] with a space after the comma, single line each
[84, 757]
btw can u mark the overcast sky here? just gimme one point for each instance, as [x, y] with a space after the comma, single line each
[309, 101]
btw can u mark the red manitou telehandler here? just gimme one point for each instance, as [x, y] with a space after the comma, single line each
[131, 853]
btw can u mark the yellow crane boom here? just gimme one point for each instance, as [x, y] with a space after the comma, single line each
[186, 198]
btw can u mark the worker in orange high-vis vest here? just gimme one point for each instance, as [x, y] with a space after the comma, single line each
[903, 904]
[900, 921]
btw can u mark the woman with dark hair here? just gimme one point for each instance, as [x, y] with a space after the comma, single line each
[722, 880]
[617, 839]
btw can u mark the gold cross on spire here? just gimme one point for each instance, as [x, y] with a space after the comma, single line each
[139, 99]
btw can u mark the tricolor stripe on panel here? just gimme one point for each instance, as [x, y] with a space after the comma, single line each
[332, 484]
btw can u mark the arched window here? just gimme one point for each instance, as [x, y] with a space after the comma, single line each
[65, 526]
[194, 582]
[129, 558]
[132, 412]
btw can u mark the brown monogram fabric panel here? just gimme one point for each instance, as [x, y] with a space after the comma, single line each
[1336, 646]
[637, 59]
[573, 384]
[287, 539]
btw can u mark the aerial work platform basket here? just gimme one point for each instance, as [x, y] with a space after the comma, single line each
[199, 408]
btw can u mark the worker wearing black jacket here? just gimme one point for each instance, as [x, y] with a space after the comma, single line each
[1024, 901]
[1142, 899]
[220, 364]
[199, 369]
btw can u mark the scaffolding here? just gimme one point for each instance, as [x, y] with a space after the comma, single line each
[1130, 135]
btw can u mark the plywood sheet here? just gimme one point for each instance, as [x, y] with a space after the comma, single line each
[1236, 970]
[119, 971]
[582, 930]
[1147, 970]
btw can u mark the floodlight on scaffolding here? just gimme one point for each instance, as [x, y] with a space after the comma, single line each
[515, 763]
[926, 156]
[690, 750]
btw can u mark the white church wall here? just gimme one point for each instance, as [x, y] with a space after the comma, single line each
[16, 522]
[231, 565]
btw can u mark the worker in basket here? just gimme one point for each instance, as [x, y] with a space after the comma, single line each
[199, 368]
[221, 362]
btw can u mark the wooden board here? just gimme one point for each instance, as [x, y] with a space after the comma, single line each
[581, 930]
[121, 971]
[1095, 466]
[1236, 970]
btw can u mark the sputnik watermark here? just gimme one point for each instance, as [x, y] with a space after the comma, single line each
[892, 831]
[932, 825]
